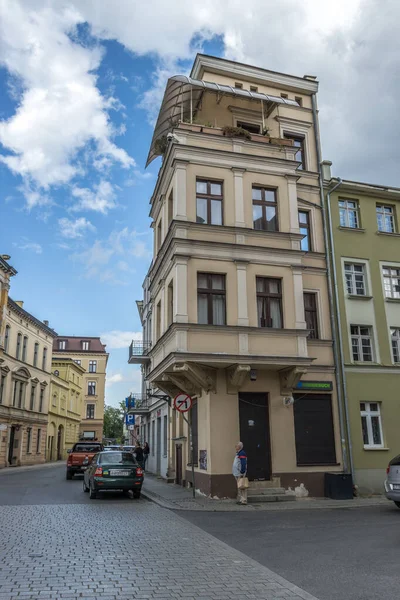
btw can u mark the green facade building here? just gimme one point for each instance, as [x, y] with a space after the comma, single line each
[365, 243]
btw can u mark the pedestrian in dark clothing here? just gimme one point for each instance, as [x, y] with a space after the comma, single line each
[139, 454]
[146, 452]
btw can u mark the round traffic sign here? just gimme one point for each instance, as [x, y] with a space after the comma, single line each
[182, 402]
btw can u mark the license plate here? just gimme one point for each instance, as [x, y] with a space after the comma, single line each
[396, 486]
[118, 473]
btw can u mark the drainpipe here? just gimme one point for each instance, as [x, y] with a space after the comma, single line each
[337, 347]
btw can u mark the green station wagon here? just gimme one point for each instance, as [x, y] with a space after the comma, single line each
[113, 471]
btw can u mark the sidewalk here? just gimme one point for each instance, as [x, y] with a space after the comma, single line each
[8, 470]
[175, 497]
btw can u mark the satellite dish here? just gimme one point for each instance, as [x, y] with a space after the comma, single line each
[56, 373]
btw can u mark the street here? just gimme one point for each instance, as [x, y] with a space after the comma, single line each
[57, 543]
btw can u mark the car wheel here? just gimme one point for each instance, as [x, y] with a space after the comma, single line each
[85, 487]
[136, 493]
[69, 475]
[92, 493]
[397, 504]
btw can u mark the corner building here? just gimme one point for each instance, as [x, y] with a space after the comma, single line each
[239, 314]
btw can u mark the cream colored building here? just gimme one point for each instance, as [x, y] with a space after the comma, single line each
[239, 314]
[6, 272]
[65, 407]
[91, 355]
[24, 387]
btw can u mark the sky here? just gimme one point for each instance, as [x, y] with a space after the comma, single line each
[81, 83]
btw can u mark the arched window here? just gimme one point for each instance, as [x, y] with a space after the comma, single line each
[7, 338]
[18, 350]
[35, 354]
[44, 359]
[24, 348]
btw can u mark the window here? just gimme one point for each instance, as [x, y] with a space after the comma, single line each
[91, 388]
[165, 436]
[18, 350]
[78, 362]
[371, 424]
[62, 344]
[15, 393]
[391, 282]
[385, 218]
[54, 399]
[269, 302]
[211, 299]
[90, 411]
[284, 96]
[361, 343]
[92, 366]
[153, 440]
[355, 279]
[170, 303]
[304, 225]
[254, 88]
[195, 434]
[38, 440]
[28, 440]
[238, 85]
[395, 336]
[159, 235]
[158, 320]
[170, 209]
[2, 385]
[250, 127]
[7, 338]
[41, 399]
[310, 312]
[349, 214]
[35, 354]
[24, 348]
[44, 359]
[148, 433]
[299, 100]
[298, 142]
[209, 202]
[32, 398]
[264, 209]
[85, 345]
[314, 431]
[21, 397]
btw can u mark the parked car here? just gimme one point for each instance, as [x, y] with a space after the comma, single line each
[129, 449]
[109, 448]
[113, 471]
[80, 455]
[392, 482]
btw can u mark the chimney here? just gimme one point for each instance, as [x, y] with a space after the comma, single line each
[326, 170]
[5, 256]
[46, 323]
[20, 303]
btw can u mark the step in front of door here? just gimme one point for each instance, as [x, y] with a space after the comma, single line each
[255, 495]
[275, 482]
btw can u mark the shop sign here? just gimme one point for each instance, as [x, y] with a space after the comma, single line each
[315, 386]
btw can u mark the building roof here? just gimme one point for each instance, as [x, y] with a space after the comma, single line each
[74, 344]
[65, 360]
[5, 266]
[25, 315]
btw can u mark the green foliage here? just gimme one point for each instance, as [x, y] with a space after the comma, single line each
[160, 145]
[113, 422]
[236, 132]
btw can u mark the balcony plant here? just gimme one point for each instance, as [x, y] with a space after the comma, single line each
[160, 145]
[232, 132]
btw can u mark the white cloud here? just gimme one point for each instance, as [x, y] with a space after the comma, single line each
[75, 229]
[119, 339]
[60, 109]
[122, 246]
[112, 379]
[102, 199]
[30, 246]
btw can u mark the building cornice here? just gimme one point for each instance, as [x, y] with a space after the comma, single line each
[23, 314]
[366, 189]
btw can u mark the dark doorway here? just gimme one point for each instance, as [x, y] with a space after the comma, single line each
[313, 425]
[11, 445]
[178, 464]
[254, 433]
[159, 442]
[59, 440]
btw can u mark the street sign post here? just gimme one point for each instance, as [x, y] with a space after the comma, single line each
[129, 419]
[183, 403]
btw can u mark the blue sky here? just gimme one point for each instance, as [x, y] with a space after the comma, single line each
[81, 84]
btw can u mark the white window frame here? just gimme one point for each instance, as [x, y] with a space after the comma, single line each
[368, 414]
[391, 279]
[382, 209]
[353, 274]
[87, 411]
[90, 385]
[396, 339]
[62, 345]
[359, 338]
[93, 363]
[85, 345]
[348, 210]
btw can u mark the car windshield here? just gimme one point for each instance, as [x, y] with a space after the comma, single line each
[118, 458]
[128, 448]
[86, 448]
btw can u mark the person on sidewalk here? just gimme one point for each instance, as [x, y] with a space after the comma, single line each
[239, 470]
[146, 452]
[139, 454]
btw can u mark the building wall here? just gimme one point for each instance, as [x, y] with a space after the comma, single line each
[377, 381]
[158, 440]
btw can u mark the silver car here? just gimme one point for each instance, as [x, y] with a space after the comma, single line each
[392, 482]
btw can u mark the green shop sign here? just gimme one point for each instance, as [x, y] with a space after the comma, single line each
[326, 386]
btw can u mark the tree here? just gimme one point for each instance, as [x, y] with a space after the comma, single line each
[113, 422]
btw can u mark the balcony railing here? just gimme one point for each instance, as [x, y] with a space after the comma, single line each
[138, 351]
[139, 404]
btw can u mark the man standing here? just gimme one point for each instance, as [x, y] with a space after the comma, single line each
[139, 454]
[239, 470]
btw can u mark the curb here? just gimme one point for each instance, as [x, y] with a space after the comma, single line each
[9, 470]
[158, 500]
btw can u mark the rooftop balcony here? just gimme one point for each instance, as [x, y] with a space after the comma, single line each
[140, 405]
[138, 352]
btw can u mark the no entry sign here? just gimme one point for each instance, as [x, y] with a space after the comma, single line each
[182, 402]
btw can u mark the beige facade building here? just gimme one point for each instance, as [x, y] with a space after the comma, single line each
[65, 407]
[91, 355]
[239, 313]
[25, 372]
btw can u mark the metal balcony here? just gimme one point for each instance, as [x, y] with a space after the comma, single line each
[139, 405]
[138, 352]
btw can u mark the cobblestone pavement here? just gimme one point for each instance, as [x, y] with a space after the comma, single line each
[114, 548]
